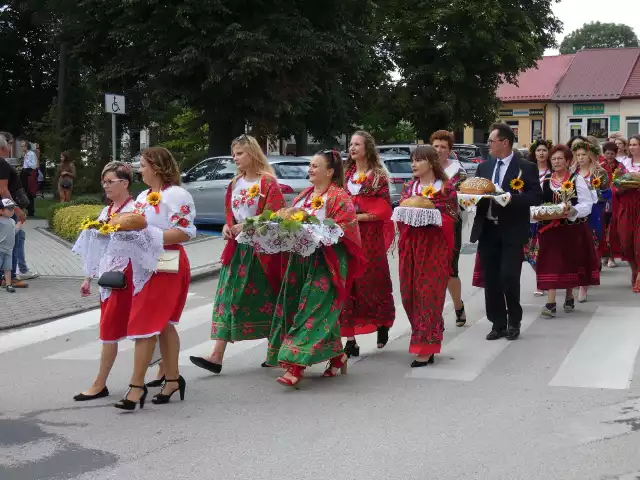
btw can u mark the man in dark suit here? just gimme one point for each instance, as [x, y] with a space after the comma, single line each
[501, 232]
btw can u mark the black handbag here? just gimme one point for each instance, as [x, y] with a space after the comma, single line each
[113, 280]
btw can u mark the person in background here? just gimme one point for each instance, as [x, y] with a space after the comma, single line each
[29, 166]
[611, 246]
[8, 229]
[66, 176]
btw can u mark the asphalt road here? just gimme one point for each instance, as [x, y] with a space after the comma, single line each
[562, 402]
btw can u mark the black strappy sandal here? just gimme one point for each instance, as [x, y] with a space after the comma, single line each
[461, 317]
[126, 404]
[383, 336]
[161, 398]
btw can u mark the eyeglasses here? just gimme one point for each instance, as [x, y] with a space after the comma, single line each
[108, 183]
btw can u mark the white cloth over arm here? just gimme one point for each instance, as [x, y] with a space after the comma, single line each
[585, 199]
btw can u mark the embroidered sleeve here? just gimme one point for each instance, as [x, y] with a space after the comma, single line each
[406, 191]
[447, 200]
[182, 211]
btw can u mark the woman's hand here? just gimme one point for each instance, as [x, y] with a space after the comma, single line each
[226, 232]
[236, 229]
[85, 288]
[365, 217]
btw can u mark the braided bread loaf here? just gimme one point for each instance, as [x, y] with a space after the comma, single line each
[477, 186]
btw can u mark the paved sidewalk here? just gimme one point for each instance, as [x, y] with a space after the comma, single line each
[57, 292]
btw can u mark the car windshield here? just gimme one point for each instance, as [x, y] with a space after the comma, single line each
[291, 170]
[465, 153]
[398, 166]
[397, 150]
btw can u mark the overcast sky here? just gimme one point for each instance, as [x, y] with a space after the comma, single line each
[575, 13]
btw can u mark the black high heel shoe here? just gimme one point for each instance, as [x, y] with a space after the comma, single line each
[126, 404]
[156, 383]
[461, 317]
[417, 364]
[352, 349]
[161, 398]
[383, 336]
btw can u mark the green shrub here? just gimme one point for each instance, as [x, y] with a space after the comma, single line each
[82, 200]
[66, 221]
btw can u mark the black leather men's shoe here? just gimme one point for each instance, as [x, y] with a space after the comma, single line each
[496, 334]
[513, 333]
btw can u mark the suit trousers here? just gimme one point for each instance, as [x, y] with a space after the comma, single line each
[501, 268]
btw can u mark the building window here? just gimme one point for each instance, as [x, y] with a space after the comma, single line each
[515, 126]
[575, 127]
[536, 130]
[633, 126]
[598, 127]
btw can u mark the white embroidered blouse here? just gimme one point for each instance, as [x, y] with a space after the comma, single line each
[244, 199]
[175, 210]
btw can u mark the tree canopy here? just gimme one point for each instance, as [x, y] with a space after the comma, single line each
[599, 35]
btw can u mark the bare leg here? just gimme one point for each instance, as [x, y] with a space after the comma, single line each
[455, 290]
[551, 296]
[141, 359]
[107, 358]
[170, 349]
[218, 351]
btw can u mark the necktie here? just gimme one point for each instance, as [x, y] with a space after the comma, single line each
[496, 176]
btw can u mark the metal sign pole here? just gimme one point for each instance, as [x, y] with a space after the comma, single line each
[113, 136]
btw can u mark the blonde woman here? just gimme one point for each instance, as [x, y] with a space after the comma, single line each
[369, 306]
[623, 154]
[588, 166]
[157, 307]
[249, 282]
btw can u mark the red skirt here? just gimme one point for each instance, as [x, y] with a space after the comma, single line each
[627, 223]
[370, 303]
[161, 300]
[567, 257]
[425, 267]
[114, 312]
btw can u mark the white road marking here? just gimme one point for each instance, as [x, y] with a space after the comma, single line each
[605, 353]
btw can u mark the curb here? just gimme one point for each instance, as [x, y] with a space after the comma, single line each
[197, 274]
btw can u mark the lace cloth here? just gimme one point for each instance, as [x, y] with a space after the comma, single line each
[468, 202]
[270, 238]
[113, 252]
[417, 217]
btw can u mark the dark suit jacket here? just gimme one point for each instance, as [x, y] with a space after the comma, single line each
[514, 219]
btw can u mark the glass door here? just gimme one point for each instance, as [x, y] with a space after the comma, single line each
[633, 127]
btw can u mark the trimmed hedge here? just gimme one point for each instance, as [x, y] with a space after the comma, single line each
[66, 221]
[83, 200]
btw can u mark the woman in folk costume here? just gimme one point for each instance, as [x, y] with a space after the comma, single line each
[306, 328]
[114, 309]
[369, 306]
[157, 308]
[627, 218]
[567, 256]
[588, 166]
[442, 141]
[249, 282]
[610, 246]
[425, 256]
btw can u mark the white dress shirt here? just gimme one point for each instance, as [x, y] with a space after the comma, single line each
[503, 170]
[30, 160]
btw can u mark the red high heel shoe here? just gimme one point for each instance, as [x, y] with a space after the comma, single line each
[338, 363]
[296, 371]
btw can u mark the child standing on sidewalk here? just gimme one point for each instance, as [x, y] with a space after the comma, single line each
[7, 240]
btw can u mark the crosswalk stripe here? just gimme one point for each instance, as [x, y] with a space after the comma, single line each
[605, 353]
[467, 355]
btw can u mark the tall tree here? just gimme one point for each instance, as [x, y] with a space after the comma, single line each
[453, 54]
[599, 35]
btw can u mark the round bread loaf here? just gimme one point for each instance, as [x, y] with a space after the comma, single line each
[287, 213]
[477, 186]
[417, 202]
[129, 221]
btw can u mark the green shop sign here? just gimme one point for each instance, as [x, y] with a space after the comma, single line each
[614, 125]
[588, 108]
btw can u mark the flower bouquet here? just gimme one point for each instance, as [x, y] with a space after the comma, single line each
[291, 230]
[559, 210]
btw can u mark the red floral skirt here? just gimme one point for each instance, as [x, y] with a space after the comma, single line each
[114, 312]
[567, 257]
[370, 303]
[161, 300]
[627, 225]
[425, 267]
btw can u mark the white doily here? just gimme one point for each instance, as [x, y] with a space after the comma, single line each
[113, 252]
[468, 202]
[417, 217]
[270, 237]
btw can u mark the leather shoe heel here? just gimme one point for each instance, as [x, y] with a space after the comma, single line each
[513, 333]
[496, 334]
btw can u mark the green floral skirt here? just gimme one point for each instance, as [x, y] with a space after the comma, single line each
[305, 326]
[244, 303]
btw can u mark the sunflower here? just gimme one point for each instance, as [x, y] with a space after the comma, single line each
[298, 216]
[567, 186]
[253, 191]
[273, 216]
[596, 182]
[154, 198]
[516, 184]
[105, 229]
[428, 191]
[317, 203]
[360, 178]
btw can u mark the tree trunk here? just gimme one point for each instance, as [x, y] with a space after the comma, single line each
[302, 142]
[62, 79]
[222, 130]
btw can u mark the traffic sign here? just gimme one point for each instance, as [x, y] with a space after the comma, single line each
[114, 104]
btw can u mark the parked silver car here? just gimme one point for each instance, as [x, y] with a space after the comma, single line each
[208, 180]
[399, 167]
